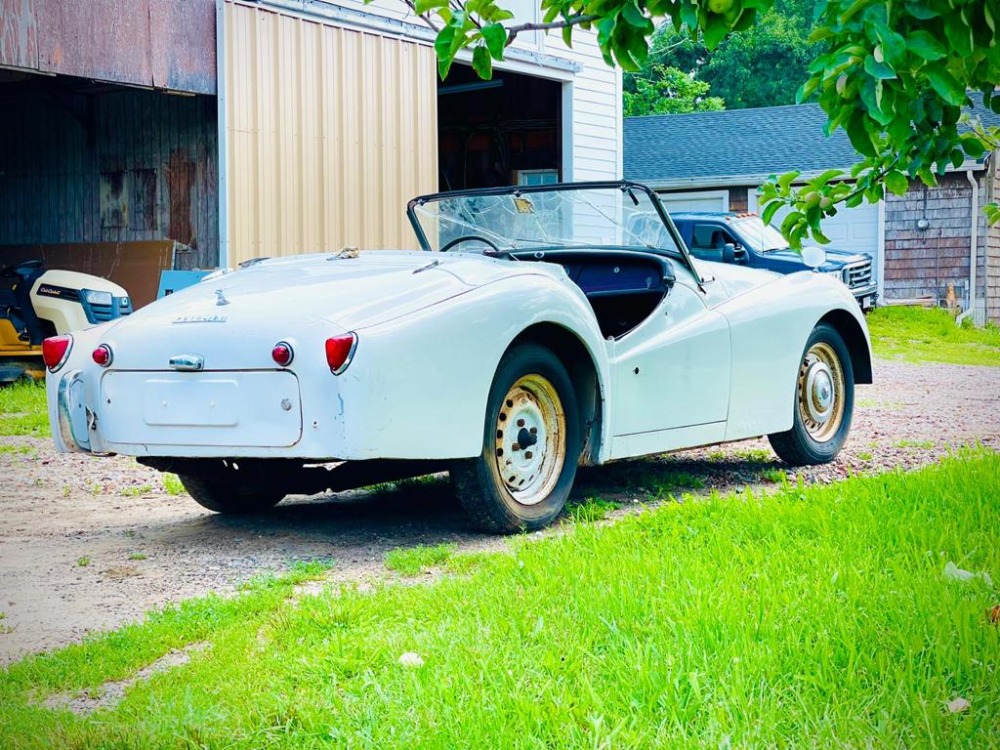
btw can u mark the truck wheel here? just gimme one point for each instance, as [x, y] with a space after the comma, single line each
[531, 446]
[223, 495]
[824, 402]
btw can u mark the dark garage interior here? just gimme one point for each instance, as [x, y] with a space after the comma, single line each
[504, 131]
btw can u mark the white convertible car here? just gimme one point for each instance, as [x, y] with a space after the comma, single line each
[540, 328]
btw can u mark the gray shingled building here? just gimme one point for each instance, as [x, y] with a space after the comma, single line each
[921, 242]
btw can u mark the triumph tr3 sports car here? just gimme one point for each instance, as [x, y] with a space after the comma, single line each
[540, 328]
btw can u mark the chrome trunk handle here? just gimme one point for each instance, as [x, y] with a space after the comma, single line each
[188, 362]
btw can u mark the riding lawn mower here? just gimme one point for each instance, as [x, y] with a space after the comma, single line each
[36, 303]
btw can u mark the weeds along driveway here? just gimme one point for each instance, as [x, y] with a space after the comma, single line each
[87, 544]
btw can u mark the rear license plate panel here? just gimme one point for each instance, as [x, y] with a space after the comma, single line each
[239, 409]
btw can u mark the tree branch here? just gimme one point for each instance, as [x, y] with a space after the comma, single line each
[409, 4]
[513, 31]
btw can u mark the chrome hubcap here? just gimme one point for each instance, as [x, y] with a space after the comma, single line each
[821, 392]
[530, 440]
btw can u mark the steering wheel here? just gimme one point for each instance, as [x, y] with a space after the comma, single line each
[466, 238]
[21, 269]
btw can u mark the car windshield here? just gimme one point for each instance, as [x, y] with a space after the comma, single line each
[511, 219]
[762, 237]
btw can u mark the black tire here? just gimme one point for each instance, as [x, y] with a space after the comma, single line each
[224, 495]
[814, 442]
[529, 379]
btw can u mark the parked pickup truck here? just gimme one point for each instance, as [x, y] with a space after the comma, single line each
[753, 243]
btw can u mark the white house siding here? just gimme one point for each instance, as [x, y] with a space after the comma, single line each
[593, 143]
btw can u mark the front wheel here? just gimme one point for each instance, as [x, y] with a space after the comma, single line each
[824, 402]
[531, 445]
[226, 494]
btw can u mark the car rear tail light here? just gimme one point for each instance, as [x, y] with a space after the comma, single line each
[340, 351]
[102, 355]
[282, 353]
[55, 351]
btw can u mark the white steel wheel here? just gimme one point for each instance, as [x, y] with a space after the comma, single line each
[530, 440]
[824, 402]
[531, 446]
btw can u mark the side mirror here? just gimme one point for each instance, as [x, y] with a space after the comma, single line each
[729, 253]
[813, 256]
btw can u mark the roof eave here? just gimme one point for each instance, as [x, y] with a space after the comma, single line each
[743, 180]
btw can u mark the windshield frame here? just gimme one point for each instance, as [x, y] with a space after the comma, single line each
[624, 186]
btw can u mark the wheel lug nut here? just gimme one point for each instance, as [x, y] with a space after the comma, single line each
[515, 447]
[520, 423]
[528, 454]
[533, 430]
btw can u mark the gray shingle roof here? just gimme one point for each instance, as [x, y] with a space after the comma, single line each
[706, 146]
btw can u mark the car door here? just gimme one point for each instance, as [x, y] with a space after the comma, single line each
[672, 373]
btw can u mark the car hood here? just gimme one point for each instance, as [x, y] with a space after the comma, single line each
[351, 292]
[834, 258]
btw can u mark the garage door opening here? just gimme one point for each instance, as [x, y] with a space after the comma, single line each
[506, 131]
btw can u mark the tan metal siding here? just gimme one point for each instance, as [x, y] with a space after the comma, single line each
[330, 131]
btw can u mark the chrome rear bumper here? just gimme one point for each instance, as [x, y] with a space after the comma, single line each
[75, 419]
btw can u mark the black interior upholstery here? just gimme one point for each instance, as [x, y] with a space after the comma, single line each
[622, 286]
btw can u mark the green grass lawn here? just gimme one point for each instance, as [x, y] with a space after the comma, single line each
[23, 410]
[919, 335]
[816, 617]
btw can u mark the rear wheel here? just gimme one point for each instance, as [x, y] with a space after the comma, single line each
[824, 402]
[531, 445]
[228, 495]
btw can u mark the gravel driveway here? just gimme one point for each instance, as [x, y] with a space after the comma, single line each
[87, 544]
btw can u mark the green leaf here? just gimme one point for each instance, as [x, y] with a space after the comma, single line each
[634, 17]
[869, 96]
[807, 89]
[793, 218]
[495, 36]
[856, 6]
[785, 181]
[860, 138]
[770, 210]
[482, 63]
[820, 237]
[876, 69]
[567, 36]
[921, 10]
[959, 34]
[945, 86]
[823, 179]
[893, 45]
[973, 146]
[896, 182]
[925, 46]
[443, 48]
[714, 30]
[423, 7]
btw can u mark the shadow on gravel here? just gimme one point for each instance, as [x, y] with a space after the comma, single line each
[427, 512]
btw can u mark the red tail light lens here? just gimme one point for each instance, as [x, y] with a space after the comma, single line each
[102, 355]
[282, 353]
[55, 351]
[340, 351]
